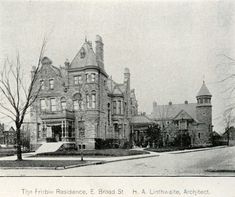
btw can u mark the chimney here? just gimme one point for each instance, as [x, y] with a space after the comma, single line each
[89, 43]
[186, 102]
[99, 51]
[154, 104]
[66, 64]
[127, 77]
[126, 74]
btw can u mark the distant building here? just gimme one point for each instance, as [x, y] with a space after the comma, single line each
[189, 123]
[82, 95]
[7, 135]
[229, 136]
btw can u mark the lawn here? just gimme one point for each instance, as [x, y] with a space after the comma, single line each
[40, 163]
[7, 152]
[103, 153]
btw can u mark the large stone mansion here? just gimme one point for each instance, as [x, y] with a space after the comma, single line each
[82, 95]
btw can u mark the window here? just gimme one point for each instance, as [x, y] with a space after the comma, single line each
[120, 107]
[42, 104]
[199, 135]
[77, 79]
[93, 77]
[51, 84]
[53, 104]
[42, 84]
[87, 78]
[75, 105]
[63, 103]
[83, 146]
[114, 107]
[88, 101]
[82, 53]
[93, 98]
[183, 124]
[77, 102]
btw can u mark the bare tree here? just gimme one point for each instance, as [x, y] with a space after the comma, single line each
[226, 76]
[81, 99]
[228, 120]
[163, 113]
[17, 93]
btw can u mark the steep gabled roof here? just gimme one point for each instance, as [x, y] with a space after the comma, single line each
[204, 91]
[141, 119]
[85, 57]
[183, 115]
[169, 112]
[115, 88]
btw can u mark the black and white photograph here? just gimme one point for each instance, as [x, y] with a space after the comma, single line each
[117, 90]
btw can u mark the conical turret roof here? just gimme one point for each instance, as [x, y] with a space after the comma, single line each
[204, 91]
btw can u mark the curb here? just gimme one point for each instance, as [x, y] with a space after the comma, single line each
[126, 159]
[79, 165]
[101, 162]
[76, 165]
[220, 170]
[195, 150]
[27, 168]
[52, 168]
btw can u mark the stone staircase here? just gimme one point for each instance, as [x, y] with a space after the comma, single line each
[49, 147]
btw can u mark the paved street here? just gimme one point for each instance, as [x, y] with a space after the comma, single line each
[167, 164]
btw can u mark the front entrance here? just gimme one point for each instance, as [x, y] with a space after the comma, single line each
[56, 132]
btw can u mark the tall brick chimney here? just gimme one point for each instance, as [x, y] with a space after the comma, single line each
[99, 50]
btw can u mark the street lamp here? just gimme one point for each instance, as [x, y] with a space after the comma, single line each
[81, 135]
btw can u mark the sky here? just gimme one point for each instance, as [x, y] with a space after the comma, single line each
[170, 47]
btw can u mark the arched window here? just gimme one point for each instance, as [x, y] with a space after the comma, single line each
[63, 103]
[93, 76]
[77, 102]
[88, 101]
[114, 107]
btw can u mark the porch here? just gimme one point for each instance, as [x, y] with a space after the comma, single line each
[58, 126]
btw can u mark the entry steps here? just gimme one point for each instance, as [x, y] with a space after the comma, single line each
[50, 147]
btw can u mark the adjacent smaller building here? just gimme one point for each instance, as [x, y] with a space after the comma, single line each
[139, 125]
[187, 124]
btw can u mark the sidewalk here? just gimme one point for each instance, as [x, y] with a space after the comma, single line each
[103, 160]
[92, 160]
[194, 150]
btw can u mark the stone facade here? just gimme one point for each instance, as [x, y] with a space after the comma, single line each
[191, 122]
[81, 93]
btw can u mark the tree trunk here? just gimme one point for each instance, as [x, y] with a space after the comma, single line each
[18, 140]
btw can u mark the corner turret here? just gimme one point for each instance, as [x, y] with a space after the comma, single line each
[204, 96]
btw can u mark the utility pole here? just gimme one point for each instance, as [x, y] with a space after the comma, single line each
[81, 135]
